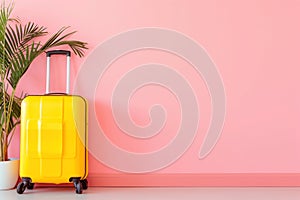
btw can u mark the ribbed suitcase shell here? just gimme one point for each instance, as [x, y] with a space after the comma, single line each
[53, 143]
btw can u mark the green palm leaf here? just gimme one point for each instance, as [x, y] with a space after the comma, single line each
[23, 49]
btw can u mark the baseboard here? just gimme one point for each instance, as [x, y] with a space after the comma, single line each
[185, 180]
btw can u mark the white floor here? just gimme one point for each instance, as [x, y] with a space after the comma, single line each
[99, 193]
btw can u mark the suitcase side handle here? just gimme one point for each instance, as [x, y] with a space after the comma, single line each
[58, 52]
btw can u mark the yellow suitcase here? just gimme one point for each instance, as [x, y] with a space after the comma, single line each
[53, 142]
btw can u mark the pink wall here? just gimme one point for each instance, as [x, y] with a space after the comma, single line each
[254, 44]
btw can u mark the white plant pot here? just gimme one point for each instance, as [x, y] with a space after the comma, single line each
[9, 174]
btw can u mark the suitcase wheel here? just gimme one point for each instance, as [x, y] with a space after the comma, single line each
[78, 187]
[21, 188]
[26, 183]
[30, 186]
[84, 183]
[78, 184]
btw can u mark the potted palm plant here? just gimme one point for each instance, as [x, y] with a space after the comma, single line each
[19, 47]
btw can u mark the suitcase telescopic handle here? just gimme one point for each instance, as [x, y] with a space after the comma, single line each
[58, 52]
